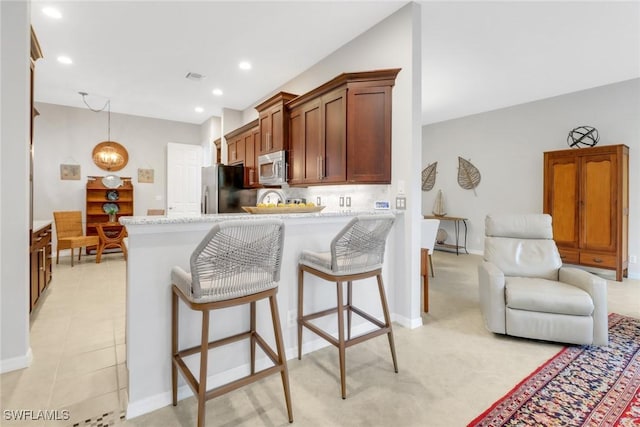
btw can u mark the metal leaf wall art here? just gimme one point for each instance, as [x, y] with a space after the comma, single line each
[468, 175]
[429, 177]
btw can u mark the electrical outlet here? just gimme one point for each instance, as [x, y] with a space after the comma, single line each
[341, 201]
[348, 201]
[401, 203]
[318, 201]
[633, 259]
[292, 318]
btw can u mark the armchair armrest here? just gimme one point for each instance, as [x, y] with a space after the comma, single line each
[492, 297]
[596, 287]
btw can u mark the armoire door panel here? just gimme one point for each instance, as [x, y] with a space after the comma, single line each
[564, 201]
[598, 203]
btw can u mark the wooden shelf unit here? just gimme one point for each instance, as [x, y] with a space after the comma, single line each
[96, 197]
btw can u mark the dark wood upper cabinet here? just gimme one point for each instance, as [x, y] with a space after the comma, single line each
[338, 133]
[273, 120]
[341, 131]
[241, 150]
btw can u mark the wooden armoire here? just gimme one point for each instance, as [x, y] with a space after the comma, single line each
[586, 192]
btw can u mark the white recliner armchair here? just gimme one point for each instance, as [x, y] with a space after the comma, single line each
[525, 291]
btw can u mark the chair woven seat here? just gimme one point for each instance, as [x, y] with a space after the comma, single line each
[220, 289]
[323, 261]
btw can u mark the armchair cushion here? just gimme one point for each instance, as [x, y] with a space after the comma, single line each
[547, 296]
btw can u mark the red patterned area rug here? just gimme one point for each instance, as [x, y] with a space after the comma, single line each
[579, 386]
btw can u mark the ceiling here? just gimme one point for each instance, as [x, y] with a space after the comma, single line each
[476, 56]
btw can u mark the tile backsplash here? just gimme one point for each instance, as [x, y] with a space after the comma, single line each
[362, 197]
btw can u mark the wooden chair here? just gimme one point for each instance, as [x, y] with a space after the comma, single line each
[237, 263]
[109, 240]
[356, 253]
[428, 232]
[70, 234]
[151, 212]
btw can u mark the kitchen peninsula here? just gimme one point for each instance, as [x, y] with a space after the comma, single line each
[156, 244]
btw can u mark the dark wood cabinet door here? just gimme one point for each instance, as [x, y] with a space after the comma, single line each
[277, 128]
[236, 150]
[265, 132]
[35, 279]
[313, 144]
[296, 146]
[562, 199]
[369, 134]
[272, 131]
[598, 202]
[249, 159]
[333, 162]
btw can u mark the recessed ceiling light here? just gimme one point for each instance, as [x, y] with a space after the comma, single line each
[244, 65]
[217, 92]
[199, 110]
[64, 60]
[52, 13]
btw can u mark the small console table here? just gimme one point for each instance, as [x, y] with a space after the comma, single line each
[456, 225]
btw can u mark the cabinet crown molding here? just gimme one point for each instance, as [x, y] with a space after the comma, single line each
[280, 97]
[377, 77]
[241, 129]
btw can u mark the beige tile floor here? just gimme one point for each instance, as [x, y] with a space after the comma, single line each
[450, 370]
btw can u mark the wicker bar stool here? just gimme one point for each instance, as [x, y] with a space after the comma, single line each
[355, 253]
[238, 262]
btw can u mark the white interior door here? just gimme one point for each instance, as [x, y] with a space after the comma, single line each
[184, 166]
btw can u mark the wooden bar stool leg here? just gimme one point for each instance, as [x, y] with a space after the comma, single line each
[282, 360]
[174, 346]
[424, 267]
[341, 343]
[431, 265]
[204, 353]
[300, 302]
[252, 311]
[349, 301]
[387, 320]
[72, 256]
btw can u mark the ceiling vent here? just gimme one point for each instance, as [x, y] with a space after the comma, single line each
[196, 77]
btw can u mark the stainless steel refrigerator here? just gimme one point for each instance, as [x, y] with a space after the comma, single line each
[222, 190]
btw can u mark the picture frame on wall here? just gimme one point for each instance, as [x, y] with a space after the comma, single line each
[145, 176]
[69, 172]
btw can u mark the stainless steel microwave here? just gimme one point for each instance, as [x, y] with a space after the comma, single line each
[272, 168]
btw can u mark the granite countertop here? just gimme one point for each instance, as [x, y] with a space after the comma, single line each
[40, 223]
[195, 219]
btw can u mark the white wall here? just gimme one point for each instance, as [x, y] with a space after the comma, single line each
[68, 135]
[14, 186]
[210, 130]
[507, 146]
[393, 43]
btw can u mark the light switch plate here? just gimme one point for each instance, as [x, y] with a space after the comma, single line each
[401, 203]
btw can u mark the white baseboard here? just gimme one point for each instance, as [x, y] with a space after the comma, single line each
[15, 363]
